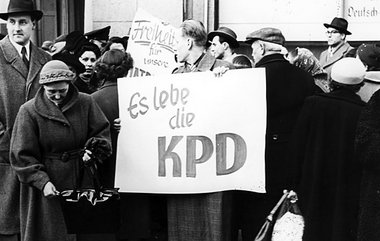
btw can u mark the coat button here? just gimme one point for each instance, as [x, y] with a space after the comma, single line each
[275, 137]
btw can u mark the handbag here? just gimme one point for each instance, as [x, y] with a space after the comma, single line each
[91, 210]
[284, 221]
[289, 224]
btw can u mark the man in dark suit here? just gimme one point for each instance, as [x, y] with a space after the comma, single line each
[287, 87]
[336, 33]
[20, 65]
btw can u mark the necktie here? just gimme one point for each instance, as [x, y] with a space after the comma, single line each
[23, 53]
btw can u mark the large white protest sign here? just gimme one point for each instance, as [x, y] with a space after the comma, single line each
[192, 133]
[151, 43]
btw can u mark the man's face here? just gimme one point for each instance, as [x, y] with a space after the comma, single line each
[57, 91]
[257, 51]
[334, 37]
[20, 28]
[182, 47]
[217, 48]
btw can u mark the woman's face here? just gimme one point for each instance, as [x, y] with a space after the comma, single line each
[57, 91]
[88, 59]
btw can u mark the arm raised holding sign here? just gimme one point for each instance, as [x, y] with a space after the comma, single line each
[187, 214]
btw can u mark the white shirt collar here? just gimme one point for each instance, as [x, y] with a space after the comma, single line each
[332, 50]
[19, 47]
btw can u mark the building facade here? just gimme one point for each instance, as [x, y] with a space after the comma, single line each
[300, 20]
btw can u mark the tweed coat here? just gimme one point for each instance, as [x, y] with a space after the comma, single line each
[368, 152]
[45, 146]
[199, 217]
[329, 173]
[17, 85]
[287, 86]
[345, 50]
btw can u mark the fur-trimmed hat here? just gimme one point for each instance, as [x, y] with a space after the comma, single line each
[349, 71]
[70, 60]
[74, 41]
[55, 71]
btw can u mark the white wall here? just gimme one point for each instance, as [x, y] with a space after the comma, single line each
[301, 20]
[3, 8]
[119, 14]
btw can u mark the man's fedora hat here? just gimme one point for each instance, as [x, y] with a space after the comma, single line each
[340, 24]
[227, 33]
[22, 7]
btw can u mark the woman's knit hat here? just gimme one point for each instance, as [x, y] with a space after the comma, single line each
[55, 71]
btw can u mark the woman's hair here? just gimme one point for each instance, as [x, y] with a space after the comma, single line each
[89, 47]
[354, 88]
[241, 61]
[113, 64]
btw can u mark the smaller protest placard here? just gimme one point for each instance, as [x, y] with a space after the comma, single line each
[151, 43]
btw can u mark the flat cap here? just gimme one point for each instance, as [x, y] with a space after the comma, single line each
[272, 35]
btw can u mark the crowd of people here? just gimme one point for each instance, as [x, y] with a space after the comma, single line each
[321, 141]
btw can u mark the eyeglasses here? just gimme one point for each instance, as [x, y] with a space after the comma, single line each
[332, 32]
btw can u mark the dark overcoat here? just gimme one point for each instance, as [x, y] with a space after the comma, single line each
[17, 85]
[42, 134]
[287, 86]
[368, 152]
[107, 99]
[199, 217]
[328, 174]
[135, 208]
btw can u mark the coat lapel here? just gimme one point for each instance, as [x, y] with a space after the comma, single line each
[36, 61]
[337, 55]
[206, 63]
[49, 110]
[11, 56]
